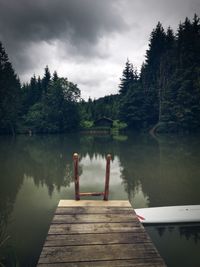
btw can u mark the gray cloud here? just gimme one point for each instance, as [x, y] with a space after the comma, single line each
[87, 41]
[78, 24]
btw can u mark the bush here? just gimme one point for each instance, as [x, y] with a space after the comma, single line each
[86, 124]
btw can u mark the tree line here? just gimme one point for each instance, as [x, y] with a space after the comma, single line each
[44, 105]
[164, 95]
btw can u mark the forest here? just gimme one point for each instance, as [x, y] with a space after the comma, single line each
[164, 96]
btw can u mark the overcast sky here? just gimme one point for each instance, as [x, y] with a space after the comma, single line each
[87, 41]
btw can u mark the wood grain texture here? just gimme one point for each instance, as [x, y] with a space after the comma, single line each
[97, 239]
[146, 262]
[93, 218]
[94, 210]
[97, 252]
[86, 228]
[94, 203]
[97, 233]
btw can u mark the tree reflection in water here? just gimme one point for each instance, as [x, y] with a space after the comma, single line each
[38, 171]
[178, 244]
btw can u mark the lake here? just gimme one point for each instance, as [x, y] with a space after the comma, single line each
[37, 171]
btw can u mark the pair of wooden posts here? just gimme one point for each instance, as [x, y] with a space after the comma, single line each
[76, 180]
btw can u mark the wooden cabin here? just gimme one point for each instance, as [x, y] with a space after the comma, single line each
[103, 122]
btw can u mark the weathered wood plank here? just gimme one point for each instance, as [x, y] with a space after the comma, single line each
[94, 210]
[94, 218]
[97, 239]
[146, 262]
[95, 203]
[93, 228]
[97, 233]
[97, 252]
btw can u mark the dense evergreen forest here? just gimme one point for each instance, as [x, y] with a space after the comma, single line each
[163, 96]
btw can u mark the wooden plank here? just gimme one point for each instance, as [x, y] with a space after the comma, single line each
[93, 218]
[93, 228]
[89, 194]
[97, 239]
[94, 210]
[145, 262]
[97, 233]
[95, 203]
[97, 252]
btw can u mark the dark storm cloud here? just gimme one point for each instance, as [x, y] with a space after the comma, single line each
[79, 21]
[87, 41]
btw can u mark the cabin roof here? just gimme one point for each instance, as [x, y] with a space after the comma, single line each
[104, 122]
[104, 119]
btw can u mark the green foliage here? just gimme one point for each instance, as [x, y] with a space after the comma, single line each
[87, 124]
[129, 76]
[9, 95]
[166, 93]
[117, 124]
[168, 90]
[47, 105]
[107, 106]
[46, 79]
[132, 107]
[57, 111]
[35, 120]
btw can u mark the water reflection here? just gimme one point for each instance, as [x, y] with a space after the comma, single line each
[137, 197]
[37, 171]
[187, 231]
[178, 244]
[92, 178]
[167, 169]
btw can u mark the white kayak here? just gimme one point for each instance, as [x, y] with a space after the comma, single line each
[169, 214]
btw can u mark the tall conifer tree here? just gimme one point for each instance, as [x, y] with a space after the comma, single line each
[9, 94]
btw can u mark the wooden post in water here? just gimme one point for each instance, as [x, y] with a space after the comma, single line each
[76, 176]
[106, 191]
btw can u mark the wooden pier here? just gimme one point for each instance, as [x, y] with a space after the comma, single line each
[97, 234]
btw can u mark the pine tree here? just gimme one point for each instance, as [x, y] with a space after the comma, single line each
[151, 73]
[57, 111]
[167, 69]
[55, 76]
[132, 109]
[131, 98]
[129, 75]
[9, 95]
[187, 75]
[46, 79]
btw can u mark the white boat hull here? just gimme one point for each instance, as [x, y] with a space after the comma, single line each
[170, 214]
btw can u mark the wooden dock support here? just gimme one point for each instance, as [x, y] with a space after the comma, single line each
[97, 233]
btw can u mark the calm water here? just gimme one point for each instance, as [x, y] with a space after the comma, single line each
[36, 172]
